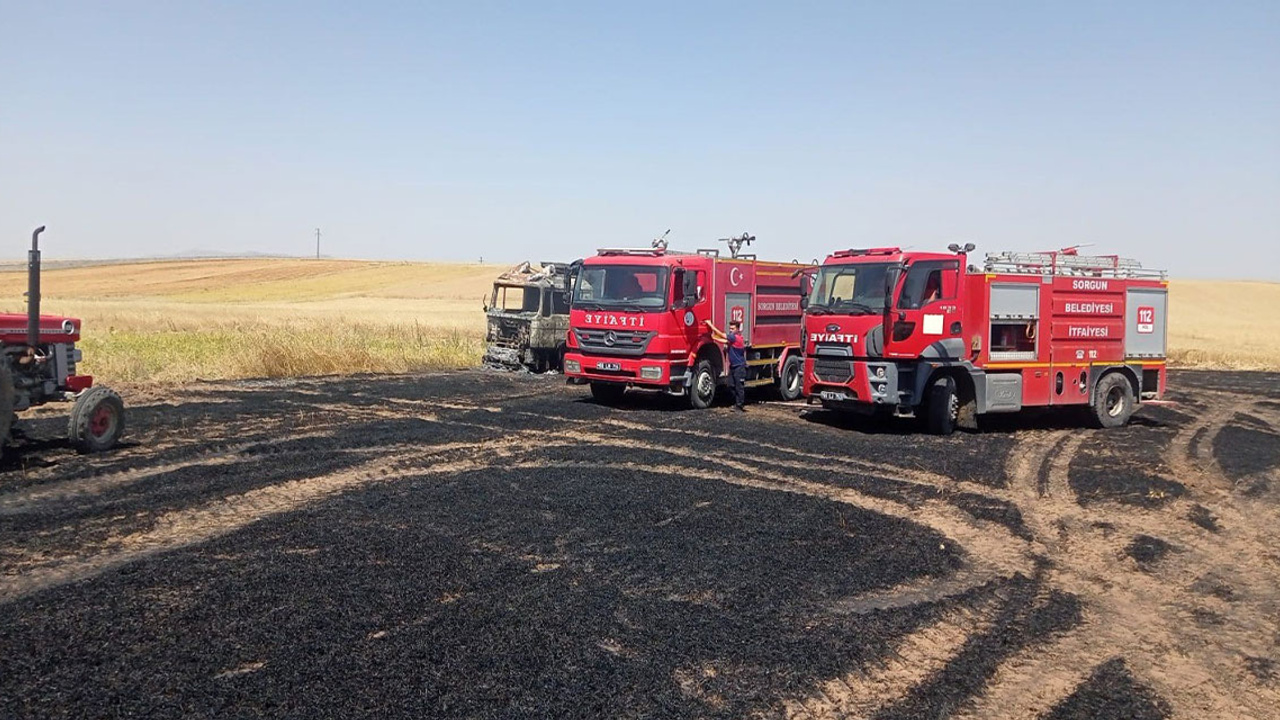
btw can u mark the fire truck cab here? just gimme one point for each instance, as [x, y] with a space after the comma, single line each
[638, 319]
[928, 334]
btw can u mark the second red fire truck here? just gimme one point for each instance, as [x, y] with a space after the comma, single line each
[928, 334]
[638, 319]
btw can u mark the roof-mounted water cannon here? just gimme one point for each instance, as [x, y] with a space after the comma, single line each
[962, 250]
[660, 243]
[735, 243]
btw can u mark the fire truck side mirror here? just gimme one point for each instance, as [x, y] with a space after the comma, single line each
[804, 301]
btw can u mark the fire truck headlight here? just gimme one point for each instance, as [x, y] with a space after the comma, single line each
[572, 366]
[650, 372]
[880, 372]
[68, 327]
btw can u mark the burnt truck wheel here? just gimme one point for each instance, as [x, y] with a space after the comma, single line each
[1113, 401]
[942, 407]
[702, 391]
[97, 420]
[6, 403]
[607, 393]
[791, 383]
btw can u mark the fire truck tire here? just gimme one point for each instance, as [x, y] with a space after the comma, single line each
[791, 383]
[6, 403]
[940, 410]
[97, 420]
[702, 391]
[607, 393]
[1113, 401]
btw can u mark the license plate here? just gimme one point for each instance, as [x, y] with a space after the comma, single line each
[608, 366]
[833, 395]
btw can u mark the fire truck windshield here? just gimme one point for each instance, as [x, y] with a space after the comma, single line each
[853, 289]
[621, 287]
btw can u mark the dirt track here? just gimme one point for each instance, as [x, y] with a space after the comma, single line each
[329, 548]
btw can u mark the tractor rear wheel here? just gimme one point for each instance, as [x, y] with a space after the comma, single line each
[607, 393]
[6, 403]
[97, 420]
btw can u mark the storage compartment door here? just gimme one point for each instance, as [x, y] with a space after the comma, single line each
[1145, 323]
[737, 306]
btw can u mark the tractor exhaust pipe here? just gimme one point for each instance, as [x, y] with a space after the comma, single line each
[33, 289]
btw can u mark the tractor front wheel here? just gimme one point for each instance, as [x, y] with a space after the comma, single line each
[97, 420]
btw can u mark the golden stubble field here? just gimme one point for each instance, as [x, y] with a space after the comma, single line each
[172, 321]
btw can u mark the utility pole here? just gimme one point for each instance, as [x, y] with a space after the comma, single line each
[317, 243]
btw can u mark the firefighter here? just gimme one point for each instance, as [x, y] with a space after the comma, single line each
[737, 351]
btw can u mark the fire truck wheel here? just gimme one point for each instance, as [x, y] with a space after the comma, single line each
[6, 403]
[703, 390]
[791, 382]
[97, 420]
[607, 393]
[940, 413]
[1112, 401]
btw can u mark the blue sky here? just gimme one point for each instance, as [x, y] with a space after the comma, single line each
[544, 130]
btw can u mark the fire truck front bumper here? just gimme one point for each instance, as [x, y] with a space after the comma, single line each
[844, 382]
[646, 372]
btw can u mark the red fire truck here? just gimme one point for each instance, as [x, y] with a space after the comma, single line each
[928, 334]
[638, 319]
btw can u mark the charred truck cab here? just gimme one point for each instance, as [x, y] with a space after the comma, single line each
[527, 314]
[927, 334]
[638, 319]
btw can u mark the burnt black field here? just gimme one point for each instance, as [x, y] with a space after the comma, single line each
[490, 545]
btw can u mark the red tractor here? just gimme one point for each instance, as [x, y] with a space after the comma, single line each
[39, 366]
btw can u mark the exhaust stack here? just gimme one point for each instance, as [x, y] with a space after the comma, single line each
[33, 289]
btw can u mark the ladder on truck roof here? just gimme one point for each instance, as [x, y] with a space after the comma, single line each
[1064, 263]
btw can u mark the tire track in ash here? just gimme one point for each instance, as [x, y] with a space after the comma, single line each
[190, 526]
[992, 553]
[1146, 616]
[1138, 618]
[917, 656]
[33, 497]
[997, 545]
[1190, 454]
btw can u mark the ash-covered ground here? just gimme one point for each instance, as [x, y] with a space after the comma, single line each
[488, 545]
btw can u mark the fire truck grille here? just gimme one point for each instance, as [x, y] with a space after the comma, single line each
[833, 371]
[614, 342]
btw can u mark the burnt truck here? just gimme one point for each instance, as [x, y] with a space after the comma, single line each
[931, 335]
[528, 316]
